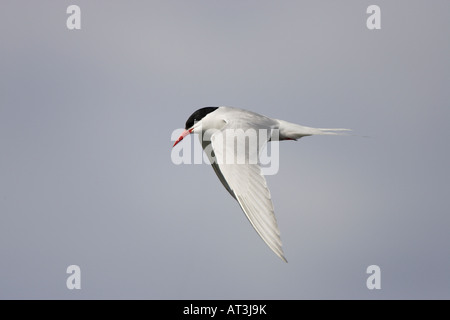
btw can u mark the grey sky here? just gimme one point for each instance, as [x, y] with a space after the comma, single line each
[86, 176]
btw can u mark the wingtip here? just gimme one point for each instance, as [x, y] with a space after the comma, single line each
[281, 255]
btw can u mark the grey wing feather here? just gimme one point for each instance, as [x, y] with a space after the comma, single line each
[248, 186]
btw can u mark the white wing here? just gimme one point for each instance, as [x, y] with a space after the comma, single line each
[245, 181]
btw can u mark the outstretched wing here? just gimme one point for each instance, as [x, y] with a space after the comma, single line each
[242, 177]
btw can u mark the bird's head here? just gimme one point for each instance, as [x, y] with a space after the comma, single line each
[194, 122]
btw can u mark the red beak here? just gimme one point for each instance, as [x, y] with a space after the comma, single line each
[184, 134]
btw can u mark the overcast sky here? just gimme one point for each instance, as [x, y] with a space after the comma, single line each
[86, 176]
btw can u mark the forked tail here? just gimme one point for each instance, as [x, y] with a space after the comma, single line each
[292, 131]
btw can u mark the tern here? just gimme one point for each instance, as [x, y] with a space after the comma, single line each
[240, 176]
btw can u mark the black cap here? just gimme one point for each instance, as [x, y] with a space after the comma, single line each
[198, 115]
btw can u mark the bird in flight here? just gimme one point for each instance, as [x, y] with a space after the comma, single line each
[240, 172]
